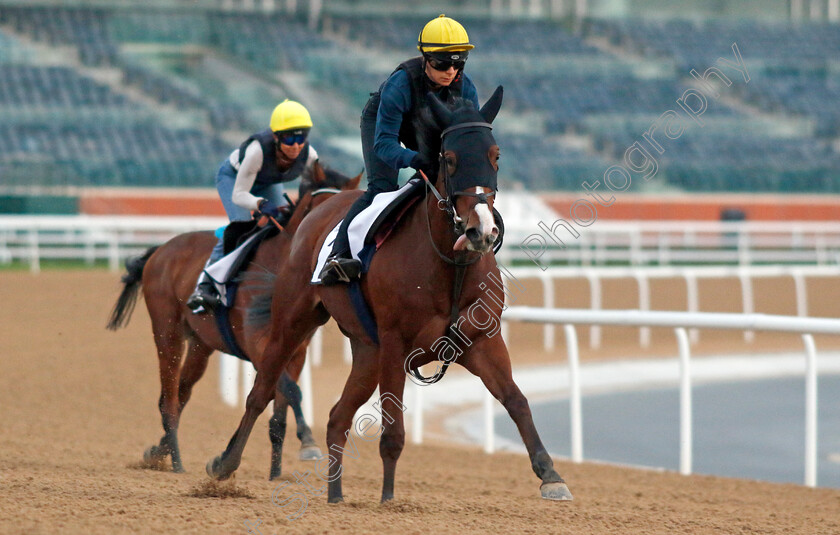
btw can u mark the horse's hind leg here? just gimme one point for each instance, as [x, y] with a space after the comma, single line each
[490, 361]
[195, 364]
[391, 386]
[359, 386]
[169, 340]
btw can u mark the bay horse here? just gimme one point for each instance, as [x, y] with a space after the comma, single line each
[409, 290]
[167, 274]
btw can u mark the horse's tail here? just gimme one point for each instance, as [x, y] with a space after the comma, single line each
[132, 280]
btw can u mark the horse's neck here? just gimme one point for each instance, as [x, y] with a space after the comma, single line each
[303, 207]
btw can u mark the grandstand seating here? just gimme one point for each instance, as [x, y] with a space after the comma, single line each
[813, 95]
[12, 51]
[695, 44]
[25, 85]
[80, 26]
[269, 41]
[556, 83]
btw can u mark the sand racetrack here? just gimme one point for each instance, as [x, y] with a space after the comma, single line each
[79, 406]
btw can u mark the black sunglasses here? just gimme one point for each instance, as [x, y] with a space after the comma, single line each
[290, 138]
[445, 65]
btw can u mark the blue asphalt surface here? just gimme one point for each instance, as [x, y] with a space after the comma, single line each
[752, 430]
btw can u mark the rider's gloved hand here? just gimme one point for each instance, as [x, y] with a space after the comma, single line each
[268, 208]
[420, 163]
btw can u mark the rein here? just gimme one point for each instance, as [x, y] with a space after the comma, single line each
[446, 205]
[321, 191]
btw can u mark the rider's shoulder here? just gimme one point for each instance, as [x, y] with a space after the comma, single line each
[399, 79]
[396, 91]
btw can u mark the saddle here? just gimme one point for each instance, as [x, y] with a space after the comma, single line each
[372, 226]
[241, 239]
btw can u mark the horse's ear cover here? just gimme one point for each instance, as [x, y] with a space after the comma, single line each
[491, 107]
[440, 112]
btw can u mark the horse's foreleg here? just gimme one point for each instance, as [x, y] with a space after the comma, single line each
[309, 450]
[223, 466]
[489, 360]
[391, 385]
[282, 346]
[359, 386]
[277, 430]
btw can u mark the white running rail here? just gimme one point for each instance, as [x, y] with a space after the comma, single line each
[680, 321]
[34, 238]
[690, 275]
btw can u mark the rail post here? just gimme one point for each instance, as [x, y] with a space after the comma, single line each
[685, 402]
[575, 406]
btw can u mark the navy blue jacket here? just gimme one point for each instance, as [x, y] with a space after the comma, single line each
[395, 103]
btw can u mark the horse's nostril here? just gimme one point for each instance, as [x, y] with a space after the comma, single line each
[473, 234]
[495, 232]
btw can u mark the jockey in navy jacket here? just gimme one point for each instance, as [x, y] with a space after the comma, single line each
[389, 118]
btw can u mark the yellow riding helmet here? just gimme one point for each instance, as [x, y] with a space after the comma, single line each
[443, 35]
[289, 115]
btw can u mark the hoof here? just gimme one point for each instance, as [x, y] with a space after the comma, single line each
[310, 453]
[154, 459]
[153, 455]
[335, 499]
[275, 473]
[555, 491]
[213, 468]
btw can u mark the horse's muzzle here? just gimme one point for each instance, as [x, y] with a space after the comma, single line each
[474, 240]
[481, 231]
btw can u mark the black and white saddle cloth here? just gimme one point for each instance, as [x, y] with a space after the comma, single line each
[372, 225]
[241, 239]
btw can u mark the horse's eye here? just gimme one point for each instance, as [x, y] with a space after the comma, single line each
[493, 156]
[451, 163]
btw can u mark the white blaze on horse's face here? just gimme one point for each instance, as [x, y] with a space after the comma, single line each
[481, 231]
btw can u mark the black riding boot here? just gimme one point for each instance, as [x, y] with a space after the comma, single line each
[204, 298]
[340, 266]
[339, 269]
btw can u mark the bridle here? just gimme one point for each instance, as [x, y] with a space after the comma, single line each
[448, 205]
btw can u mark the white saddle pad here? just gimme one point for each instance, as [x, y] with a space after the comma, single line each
[220, 272]
[360, 227]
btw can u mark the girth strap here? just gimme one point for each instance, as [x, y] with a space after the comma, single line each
[222, 315]
[460, 271]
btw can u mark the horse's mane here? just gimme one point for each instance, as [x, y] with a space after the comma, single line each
[331, 179]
